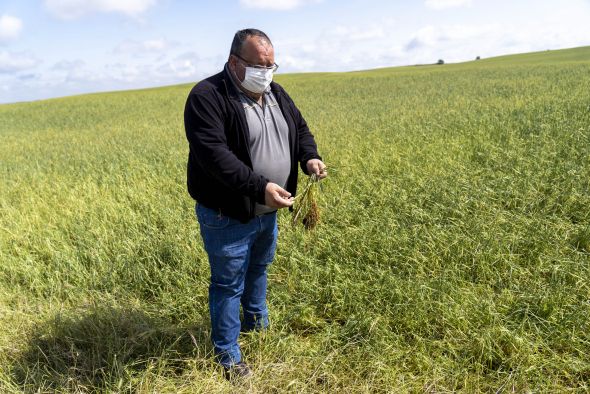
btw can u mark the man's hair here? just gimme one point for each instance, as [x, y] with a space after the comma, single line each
[241, 36]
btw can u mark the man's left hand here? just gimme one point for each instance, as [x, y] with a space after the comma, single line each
[317, 167]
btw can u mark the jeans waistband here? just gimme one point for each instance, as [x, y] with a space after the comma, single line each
[267, 213]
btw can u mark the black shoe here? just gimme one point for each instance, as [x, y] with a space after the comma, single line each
[240, 370]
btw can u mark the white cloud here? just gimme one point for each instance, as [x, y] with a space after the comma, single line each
[155, 45]
[339, 48]
[290, 62]
[431, 36]
[126, 73]
[370, 46]
[10, 27]
[143, 47]
[11, 62]
[455, 43]
[281, 5]
[355, 33]
[67, 65]
[27, 77]
[182, 66]
[75, 76]
[442, 4]
[72, 9]
[384, 41]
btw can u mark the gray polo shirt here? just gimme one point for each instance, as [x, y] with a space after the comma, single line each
[269, 140]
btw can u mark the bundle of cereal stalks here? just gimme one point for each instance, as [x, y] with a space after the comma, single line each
[306, 208]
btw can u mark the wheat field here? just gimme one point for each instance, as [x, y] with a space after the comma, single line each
[452, 253]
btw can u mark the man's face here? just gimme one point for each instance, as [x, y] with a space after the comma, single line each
[256, 51]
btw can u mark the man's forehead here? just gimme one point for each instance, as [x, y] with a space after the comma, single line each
[258, 45]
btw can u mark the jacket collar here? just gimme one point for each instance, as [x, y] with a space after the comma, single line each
[230, 87]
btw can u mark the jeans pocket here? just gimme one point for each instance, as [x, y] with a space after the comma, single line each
[211, 218]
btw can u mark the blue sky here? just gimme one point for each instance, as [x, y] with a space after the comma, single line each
[51, 48]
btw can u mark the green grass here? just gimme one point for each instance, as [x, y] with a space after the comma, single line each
[453, 252]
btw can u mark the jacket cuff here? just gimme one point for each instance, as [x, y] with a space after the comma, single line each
[260, 197]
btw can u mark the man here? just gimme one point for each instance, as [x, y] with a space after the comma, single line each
[246, 137]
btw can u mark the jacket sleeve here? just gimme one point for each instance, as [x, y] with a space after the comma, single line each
[204, 125]
[307, 147]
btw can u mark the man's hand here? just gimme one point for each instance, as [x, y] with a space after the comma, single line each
[317, 167]
[277, 197]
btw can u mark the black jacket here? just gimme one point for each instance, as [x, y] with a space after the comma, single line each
[219, 170]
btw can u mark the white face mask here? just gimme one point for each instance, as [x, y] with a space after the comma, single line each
[257, 80]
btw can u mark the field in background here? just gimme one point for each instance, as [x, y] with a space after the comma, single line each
[453, 253]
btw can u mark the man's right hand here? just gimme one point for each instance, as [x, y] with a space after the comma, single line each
[277, 197]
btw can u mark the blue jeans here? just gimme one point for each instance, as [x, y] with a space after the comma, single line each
[238, 257]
